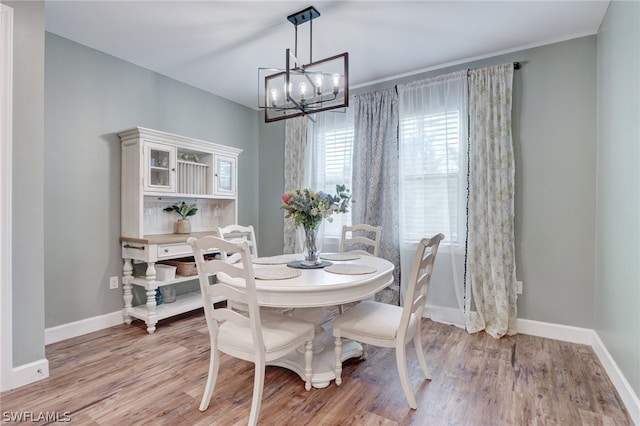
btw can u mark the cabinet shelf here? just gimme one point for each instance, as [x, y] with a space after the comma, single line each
[180, 195]
[142, 282]
[192, 162]
[184, 303]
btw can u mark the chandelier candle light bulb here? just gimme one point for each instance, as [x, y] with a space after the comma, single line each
[319, 79]
[303, 91]
[336, 82]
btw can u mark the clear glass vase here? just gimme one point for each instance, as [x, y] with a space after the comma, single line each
[311, 241]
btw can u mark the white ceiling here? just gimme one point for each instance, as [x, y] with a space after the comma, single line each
[218, 45]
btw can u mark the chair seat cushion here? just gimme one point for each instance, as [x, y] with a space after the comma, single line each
[278, 331]
[371, 321]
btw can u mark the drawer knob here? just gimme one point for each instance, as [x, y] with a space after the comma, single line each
[166, 250]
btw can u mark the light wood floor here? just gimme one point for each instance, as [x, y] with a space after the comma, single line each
[123, 376]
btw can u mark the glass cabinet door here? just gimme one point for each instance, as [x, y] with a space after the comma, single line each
[160, 164]
[225, 178]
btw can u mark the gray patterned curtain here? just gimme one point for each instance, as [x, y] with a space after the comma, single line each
[375, 175]
[295, 146]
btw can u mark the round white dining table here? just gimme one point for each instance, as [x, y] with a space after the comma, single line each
[310, 293]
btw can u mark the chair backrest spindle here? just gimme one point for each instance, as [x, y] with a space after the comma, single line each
[420, 278]
[239, 233]
[361, 238]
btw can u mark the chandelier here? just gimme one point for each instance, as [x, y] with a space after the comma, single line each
[302, 89]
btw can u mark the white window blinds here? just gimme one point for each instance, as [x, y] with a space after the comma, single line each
[433, 158]
[430, 146]
[331, 160]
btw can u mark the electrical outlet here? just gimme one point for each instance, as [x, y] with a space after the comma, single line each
[113, 282]
[519, 287]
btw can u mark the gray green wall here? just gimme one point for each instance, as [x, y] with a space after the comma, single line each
[554, 132]
[617, 291]
[89, 98]
[271, 183]
[28, 182]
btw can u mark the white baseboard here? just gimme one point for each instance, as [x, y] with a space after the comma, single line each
[29, 373]
[628, 396]
[566, 333]
[78, 328]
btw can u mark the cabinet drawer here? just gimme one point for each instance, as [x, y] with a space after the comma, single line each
[166, 251]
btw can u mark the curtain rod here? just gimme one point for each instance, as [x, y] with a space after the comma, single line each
[516, 66]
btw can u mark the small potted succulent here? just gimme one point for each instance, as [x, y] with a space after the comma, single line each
[183, 226]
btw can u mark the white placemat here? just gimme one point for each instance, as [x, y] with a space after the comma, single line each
[339, 256]
[276, 273]
[350, 269]
[274, 260]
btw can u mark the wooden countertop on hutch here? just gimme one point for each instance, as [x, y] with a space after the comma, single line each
[167, 238]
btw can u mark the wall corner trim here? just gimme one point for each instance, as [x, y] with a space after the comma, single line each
[6, 144]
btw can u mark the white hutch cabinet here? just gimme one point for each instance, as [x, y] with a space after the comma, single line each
[158, 170]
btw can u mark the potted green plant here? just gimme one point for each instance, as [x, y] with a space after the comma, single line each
[183, 226]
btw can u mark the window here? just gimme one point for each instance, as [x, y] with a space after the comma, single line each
[331, 160]
[338, 145]
[433, 158]
[430, 174]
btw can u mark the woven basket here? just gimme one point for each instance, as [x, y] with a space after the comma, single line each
[185, 266]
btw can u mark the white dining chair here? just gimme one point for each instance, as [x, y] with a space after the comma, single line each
[360, 239]
[391, 326]
[239, 233]
[358, 236]
[253, 336]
